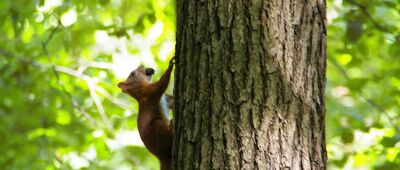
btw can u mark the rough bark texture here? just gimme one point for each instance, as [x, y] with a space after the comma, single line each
[249, 85]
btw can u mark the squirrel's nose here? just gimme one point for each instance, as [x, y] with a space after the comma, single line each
[121, 84]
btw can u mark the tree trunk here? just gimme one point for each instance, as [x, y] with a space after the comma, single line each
[249, 85]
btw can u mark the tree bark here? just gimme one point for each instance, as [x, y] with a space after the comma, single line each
[249, 85]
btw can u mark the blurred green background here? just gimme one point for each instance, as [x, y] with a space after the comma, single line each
[60, 61]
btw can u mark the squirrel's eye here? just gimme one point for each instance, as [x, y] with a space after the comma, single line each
[132, 73]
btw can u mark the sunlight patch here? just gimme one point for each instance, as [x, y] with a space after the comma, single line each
[124, 138]
[69, 18]
[49, 5]
[155, 31]
[76, 161]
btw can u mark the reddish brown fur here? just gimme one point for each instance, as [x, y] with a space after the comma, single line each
[153, 126]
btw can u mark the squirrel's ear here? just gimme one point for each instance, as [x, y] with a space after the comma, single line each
[149, 71]
[123, 86]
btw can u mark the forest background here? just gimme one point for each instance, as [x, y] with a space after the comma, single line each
[60, 61]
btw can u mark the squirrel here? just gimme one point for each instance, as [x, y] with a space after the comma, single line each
[153, 124]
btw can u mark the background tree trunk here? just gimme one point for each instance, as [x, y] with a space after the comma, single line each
[249, 85]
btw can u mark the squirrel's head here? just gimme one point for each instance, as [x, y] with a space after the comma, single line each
[136, 79]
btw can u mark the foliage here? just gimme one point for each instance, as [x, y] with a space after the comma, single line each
[60, 61]
[363, 84]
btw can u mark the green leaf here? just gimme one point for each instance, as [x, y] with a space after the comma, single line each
[356, 83]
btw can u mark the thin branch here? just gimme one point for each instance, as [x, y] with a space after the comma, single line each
[370, 101]
[44, 66]
[339, 68]
[369, 16]
[79, 74]
[86, 78]
[76, 74]
[99, 106]
[114, 100]
[131, 157]
[92, 87]
[90, 83]
[54, 70]
[95, 64]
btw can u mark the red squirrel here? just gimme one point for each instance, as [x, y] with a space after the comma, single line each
[154, 126]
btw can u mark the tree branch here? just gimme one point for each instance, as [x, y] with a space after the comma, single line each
[369, 16]
[92, 87]
[63, 90]
[370, 101]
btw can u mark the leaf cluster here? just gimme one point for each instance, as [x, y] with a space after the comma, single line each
[60, 62]
[363, 93]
